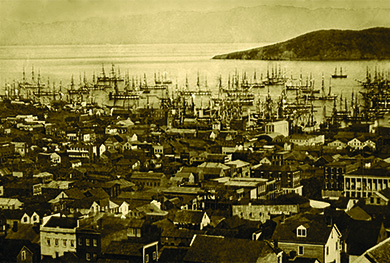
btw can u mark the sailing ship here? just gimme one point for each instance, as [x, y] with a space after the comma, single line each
[34, 84]
[83, 88]
[341, 75]
[126, 93]
[328, 96]
[108, 81]
[198, 91]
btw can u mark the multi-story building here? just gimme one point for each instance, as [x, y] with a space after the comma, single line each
[58, 235]
[362, 182]
[333, 186]
[88, 246]
[289, 177]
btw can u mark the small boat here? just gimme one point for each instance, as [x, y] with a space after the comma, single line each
[341, 76]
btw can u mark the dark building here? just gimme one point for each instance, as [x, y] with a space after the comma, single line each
[333, 186]
[88, 244]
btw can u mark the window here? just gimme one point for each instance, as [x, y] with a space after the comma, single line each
[87, 242]
[378, 200]
[56, 242]
[88, 257]
[301, 231]
[23, 255]
[25, 219]
[80, 242]
[95, 242]
[147, 258]
[64, 242]
[300, 250]
[372, 200]
[72, 243]
[48, 242]
[154, 255]
[34, 218]
[327, 250]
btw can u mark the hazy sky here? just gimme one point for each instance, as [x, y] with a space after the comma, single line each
[59, 10]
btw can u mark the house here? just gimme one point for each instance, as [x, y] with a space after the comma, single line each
[219, 249]
[10, 203]
[16, 250]
[339, 144]
[309, 236]
[58, 235]
[75, 163]
[30, 217]
[191, 219]
[379, 198]
[128, 251]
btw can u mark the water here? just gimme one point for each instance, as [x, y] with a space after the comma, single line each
[59, 63]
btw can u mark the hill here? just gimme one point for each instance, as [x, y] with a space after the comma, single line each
[261, 24]
[373, 43]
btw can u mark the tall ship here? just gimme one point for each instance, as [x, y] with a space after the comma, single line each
[83, 88]
[108, 81]
[198, 91]
[276, 77]
[33, 84]
[340, 75]
[329, 95]
[236, 92]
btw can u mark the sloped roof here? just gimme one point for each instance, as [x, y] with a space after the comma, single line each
[362, 235]
[188, 216]
[318, 230]
[219, 249]
[378, 253]
[62, 222]
[125, 248]
[173, 254]
[357, 213]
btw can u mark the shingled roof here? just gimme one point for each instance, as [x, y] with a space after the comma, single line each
[318, 230]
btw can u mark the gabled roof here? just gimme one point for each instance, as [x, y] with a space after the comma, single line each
[219, 249]
[318, 230]
[385, 193]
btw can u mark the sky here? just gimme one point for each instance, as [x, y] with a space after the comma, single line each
[64, 10]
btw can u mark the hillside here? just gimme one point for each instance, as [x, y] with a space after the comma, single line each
[261, 24]
[373, 43]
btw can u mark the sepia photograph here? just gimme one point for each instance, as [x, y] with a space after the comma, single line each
[139, 131]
